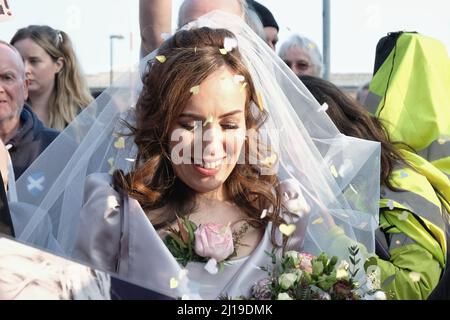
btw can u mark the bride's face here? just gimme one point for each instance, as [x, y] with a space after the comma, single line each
[208, 136]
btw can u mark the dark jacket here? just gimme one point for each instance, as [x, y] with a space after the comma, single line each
[29, 141]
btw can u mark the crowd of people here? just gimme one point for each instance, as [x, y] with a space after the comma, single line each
[226, 138]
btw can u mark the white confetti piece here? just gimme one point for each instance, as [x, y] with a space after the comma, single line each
[211, 266]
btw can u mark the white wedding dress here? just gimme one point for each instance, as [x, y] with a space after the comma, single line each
[116, 235]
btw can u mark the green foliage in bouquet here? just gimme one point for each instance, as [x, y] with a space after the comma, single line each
[181, 242]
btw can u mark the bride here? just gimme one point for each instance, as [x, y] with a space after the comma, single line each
[212, 141]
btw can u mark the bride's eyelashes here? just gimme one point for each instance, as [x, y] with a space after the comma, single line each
[190, 126]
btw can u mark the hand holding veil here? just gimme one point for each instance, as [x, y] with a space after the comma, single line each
[338, 176]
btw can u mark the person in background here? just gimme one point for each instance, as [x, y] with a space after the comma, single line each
[361, 94]
[268, 21]
[414, 204]
[25, 136]
[410, 92]
[57, 89]
[302, 55]
[155, 17]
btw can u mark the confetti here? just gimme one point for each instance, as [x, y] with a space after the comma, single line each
[390, 205]
[112, 168]
[208, 120]
[243, 87]
[362, 225]
[311, 45]
[211, 266]
[398, 242]
[403, 216]
[443, 139]
[229, 44]
[318, 221]
[223, 51]
[334, 171]
[183, 274]
[112, 203]
[161, 59]
[173, 283]
[403, 174]
[269, 161]
[238, 78]
[353, 189]
[287, 230]
[195, 90]
[120, 143]
[263, 214]
[260, 101]
[165, 36]
[414, 276]
[323, 107]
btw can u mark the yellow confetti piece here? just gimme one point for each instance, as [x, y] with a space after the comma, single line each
[311, 45]
[243, 87]
[398, 242]
[223, 51]
[403, 216]
[414, 276]
[287, 230]
[260, 101]
[334, 171]
[208, 120]
[161, 58]
[195, 90]
[269, 161]
[120, 143]
[111, 161]
[318, 221]
[173, 283]
[112, 167]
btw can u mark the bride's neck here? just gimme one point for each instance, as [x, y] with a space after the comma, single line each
[219, 194]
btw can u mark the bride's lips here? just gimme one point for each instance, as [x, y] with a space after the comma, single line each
[212, 167]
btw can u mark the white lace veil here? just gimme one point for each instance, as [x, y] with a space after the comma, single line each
[338, 175]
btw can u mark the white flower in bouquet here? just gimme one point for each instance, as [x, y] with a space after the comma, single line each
[284, 296]
[287, 280]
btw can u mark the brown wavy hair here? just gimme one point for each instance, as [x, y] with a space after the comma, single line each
[353, 120]
[190, 57]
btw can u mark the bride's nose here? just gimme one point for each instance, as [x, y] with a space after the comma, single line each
[213, 142]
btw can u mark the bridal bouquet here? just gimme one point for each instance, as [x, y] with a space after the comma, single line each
[211, 243]
[301, 276]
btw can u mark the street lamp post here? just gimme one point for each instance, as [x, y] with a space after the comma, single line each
[111, 40]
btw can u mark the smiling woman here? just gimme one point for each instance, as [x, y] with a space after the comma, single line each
[210, 145]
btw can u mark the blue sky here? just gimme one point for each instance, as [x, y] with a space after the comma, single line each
[356, 26]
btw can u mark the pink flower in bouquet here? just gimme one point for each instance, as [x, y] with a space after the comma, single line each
[214, 240]
[305, 261]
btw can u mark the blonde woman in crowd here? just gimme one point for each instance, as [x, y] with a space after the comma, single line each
[57, 89]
